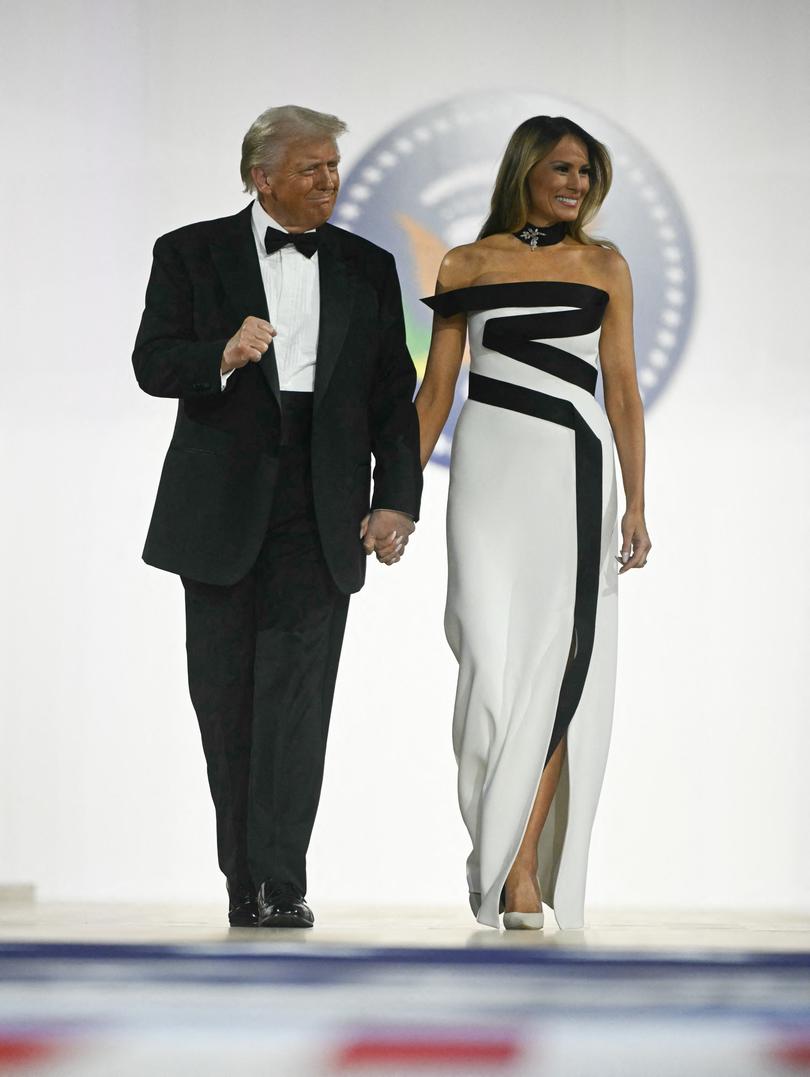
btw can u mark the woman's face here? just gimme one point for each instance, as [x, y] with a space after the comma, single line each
[559, 182]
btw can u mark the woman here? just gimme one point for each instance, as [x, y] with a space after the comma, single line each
[531, 518]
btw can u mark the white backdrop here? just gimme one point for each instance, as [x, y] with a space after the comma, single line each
[123, 120]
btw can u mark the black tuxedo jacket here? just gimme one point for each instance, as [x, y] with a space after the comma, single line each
[216, 490]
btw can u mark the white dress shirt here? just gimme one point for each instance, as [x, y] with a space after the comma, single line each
[293, 294]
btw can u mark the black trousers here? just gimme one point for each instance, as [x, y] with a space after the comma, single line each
[262, 663]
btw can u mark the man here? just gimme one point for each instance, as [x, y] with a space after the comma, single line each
[282, 338]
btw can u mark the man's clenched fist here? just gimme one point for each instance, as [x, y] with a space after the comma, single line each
[248, 344]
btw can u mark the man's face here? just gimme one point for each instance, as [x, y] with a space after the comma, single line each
[300, 191]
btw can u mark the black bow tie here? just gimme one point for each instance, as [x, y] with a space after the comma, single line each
[305, 242]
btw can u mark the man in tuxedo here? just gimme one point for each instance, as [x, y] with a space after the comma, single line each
[282, 338]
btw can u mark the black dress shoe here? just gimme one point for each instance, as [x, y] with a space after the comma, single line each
[283, 905]
[242, 908]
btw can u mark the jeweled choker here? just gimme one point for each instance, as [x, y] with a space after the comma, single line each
[535, 237]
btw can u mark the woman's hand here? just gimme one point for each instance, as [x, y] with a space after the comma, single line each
[635, 541]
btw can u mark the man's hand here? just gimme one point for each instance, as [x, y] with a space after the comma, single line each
[385, 533]
[247, 345]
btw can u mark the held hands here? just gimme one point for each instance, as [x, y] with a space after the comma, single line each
[635, 542]
[248, 344]
[385, 533]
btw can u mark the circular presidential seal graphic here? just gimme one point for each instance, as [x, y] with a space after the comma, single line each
[425, 186]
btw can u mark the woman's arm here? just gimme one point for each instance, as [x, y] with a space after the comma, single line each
[436, 393]
[624, 409]
[435, 396]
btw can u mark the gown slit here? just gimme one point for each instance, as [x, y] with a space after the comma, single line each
[531, 603]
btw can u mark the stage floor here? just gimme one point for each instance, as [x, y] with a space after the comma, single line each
[124, 990]
[341, 926]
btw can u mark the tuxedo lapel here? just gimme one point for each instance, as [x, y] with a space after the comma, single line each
[337, 296]
[237, 263]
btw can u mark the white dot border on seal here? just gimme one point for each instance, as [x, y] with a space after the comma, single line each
[399, 145]
[656, 364]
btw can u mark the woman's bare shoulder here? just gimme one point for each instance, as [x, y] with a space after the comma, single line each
[461, 265]
[606, 268]
[606, 261]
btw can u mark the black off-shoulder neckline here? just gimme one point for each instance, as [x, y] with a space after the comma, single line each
[457, 304]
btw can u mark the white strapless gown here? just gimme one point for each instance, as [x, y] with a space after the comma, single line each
[532, 536]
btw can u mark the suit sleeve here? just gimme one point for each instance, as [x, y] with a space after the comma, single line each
[394, 423]
[168, 358]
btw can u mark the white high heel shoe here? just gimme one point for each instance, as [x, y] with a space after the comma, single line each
[524, 921]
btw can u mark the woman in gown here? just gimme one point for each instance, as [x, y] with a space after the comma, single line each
[532, 516]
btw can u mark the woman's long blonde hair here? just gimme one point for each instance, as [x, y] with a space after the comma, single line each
[533, 140]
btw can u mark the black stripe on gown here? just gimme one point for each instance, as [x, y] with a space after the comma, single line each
[521, 293]
[588, 470]
[517, 335]
[513, 336]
